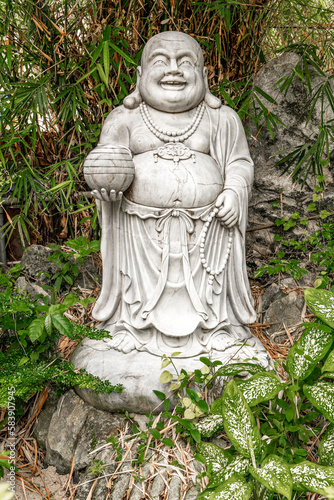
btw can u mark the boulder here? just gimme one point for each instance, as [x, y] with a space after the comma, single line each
[75, 430]
[285, 308]
[292, 109]
[35, 265]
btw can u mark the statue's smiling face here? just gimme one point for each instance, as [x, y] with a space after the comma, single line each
[172, 73]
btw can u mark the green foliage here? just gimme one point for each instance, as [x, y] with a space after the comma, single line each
[68, 261]
[278, 462]
[30, 331]
[97, 468]
[295, 256]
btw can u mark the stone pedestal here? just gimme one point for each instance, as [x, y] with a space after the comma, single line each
[139, 372]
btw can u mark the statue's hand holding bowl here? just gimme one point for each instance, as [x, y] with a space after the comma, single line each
[109, 171]
[105, 195]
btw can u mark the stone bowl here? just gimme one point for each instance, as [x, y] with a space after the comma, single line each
[109, 167]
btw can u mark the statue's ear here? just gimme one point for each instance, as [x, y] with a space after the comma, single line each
[209, 99]
[133, 100]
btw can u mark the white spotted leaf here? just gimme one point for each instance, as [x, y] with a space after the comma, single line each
[309, 349]
[275, 475]
[308, 476]
[321, 303]
[239, 465]
[321, 395]
[214, 456]
[206, 494]
[209, 425]
[239, 422]
[235, 488]
[326, 447]
[329, 363]
[265, 494]
[260, 387]
[235, 368]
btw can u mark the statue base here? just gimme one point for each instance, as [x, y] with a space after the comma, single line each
[139, 372]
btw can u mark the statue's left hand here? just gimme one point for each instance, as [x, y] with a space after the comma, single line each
[228, 203]
[105, 195]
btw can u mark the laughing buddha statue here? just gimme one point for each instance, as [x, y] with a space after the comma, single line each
[173, 234]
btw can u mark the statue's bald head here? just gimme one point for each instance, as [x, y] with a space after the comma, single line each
[166, 38]
[172, 76]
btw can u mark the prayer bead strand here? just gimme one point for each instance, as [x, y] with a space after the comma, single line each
[213, 272]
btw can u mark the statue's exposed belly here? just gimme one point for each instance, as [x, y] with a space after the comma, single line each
[187, 183]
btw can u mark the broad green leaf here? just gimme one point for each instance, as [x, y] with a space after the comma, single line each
[265, 494]
[168, 442]
[155, 433]
[216, 407]
[308, 476]
[216, 460]
[206, 494]
[36, 329]
[239, 465]
[165, 377]
[326, 447]
[209, 425]
[62, 324]
[260, 387]
[309, 349]
[239, 422]
[275, 475]
[321, 395]
[165, 362]
[321, 303]
[329, 363]
[234, 369]
[235, 488]
[48, 324]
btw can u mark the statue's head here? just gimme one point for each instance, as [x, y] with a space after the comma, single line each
[172, 76]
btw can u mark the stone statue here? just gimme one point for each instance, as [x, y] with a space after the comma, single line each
[173, 227]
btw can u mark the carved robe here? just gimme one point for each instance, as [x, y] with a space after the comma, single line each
[155, 288]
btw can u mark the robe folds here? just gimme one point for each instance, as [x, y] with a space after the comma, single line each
[154, 286]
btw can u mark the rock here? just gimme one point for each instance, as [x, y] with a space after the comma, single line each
[42, 424]
[287, 309]
[31, 288]
[158, 486]
[273, 293]
[122, 484]
[76, 429]
[66, 425]
[191, 494]
[174, 488]
[34, 262]
[292, 110]
[86, 479]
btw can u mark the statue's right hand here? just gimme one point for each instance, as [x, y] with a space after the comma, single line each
[105, 195]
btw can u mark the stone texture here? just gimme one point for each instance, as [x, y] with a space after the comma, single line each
[36, 266]
[287, 309]
[30, 287]
[292, 110]
[42, 424]
[174, 488]
[191, 494]
[76, 429]
[139, 372]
